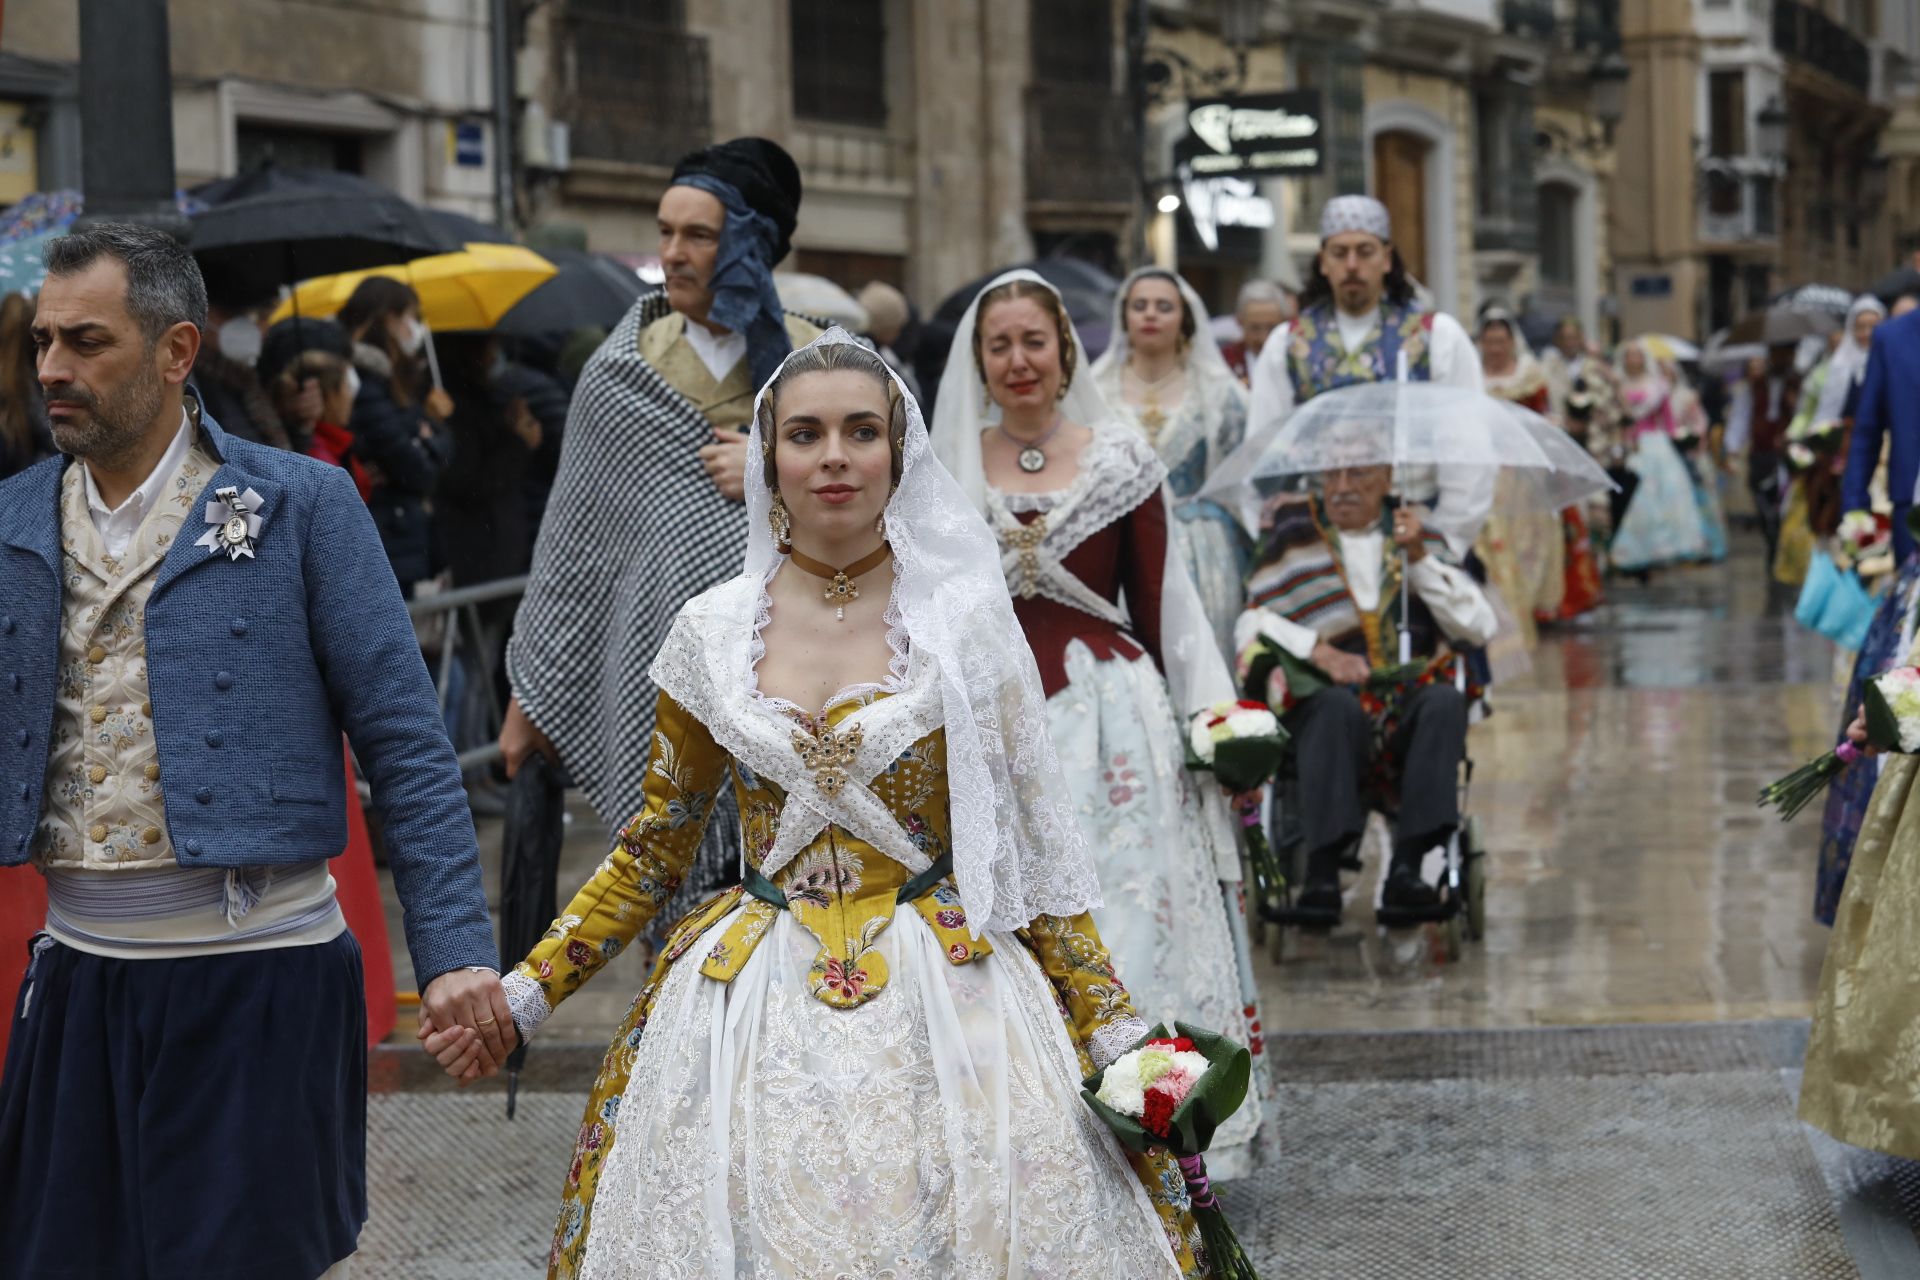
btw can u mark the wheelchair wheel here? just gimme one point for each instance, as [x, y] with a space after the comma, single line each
[1474, 868]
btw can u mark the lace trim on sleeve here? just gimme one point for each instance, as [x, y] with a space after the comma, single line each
[526, 1003]
[1107, 1043]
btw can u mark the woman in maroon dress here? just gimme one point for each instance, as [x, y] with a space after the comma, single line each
[1079, 504]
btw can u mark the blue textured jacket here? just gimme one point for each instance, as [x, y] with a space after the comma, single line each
[255, 666]
[1889, 407]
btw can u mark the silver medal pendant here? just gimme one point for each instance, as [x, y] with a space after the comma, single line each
[1032, 460]
[234, 532]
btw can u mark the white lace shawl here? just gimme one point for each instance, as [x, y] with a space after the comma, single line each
[1018, 850]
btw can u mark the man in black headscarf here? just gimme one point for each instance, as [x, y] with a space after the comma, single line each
[646, 510]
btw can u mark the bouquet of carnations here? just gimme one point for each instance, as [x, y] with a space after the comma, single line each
[1242, 744]
[1892, 705]
[1173, 1091]
[1863, 535]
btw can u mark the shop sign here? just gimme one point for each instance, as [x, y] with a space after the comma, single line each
[1213, 203]
[1254, 135]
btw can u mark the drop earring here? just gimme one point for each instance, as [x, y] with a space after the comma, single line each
[781, 523]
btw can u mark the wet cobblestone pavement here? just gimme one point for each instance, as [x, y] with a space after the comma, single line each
[1602, 1088]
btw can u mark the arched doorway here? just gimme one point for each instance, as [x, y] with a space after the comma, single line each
[1400, 162]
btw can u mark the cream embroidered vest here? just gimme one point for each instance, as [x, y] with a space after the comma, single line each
[103, 807]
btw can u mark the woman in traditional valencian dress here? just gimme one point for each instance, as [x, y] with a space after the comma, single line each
[1554, 552]
[1079, 503]
[1662, 524]
[1165, 375]
[865, 1061]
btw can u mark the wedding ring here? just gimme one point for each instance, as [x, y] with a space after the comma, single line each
[484, 1022]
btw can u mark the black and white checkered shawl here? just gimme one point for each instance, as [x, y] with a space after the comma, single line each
[633, 529]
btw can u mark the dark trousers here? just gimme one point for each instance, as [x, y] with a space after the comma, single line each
[193, 1119]
[1902, 536]
[1763, 480]
[1333, 754]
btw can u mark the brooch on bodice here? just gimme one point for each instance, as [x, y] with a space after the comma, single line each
[1026, 539]
[828, 755]
[235, 521]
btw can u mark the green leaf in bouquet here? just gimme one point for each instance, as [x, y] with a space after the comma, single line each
[1883, 726]
[1247, 764]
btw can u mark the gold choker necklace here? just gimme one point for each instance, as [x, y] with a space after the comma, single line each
[840, 588]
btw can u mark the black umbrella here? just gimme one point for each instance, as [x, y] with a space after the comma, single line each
[276, 226]
[529, 869]
[591, 291]
[1816, 299]
[466, 230]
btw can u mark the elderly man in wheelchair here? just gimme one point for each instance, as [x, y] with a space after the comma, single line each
[1320, 642]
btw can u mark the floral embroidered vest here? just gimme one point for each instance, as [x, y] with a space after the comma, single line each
[103, 807]
[1317, 358]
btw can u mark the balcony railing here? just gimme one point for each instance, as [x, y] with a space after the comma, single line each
[1804, 34]
[632, 91]
[1737, 206]
[1079, 146]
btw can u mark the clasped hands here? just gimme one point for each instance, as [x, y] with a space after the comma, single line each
[465, 1024]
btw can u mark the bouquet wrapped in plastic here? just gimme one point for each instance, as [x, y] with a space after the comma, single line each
[1173, 1090]
[1892, 705]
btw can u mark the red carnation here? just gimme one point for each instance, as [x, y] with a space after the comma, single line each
[1158, 1116]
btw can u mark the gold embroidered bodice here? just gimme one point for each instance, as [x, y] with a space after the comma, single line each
[840, 888]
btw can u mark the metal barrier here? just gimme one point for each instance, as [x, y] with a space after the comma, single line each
[458, 613]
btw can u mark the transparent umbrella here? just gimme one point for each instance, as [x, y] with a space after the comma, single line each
[1411, 427]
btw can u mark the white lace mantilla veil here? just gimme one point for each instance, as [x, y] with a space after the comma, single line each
[1197, 675]
[1018, 850]
[1203, 349]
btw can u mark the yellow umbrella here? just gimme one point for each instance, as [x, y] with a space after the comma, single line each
[471, 289]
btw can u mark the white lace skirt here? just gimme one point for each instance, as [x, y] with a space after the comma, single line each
[1162, 840]
[935, 1131]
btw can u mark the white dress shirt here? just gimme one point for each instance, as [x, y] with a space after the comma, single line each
[1460, 497]
[1459, 607]
[117, 525]
[718, 351]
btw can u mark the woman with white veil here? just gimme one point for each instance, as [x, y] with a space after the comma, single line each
[1079, 503]
[866, 1059]
[1165, 374]
[1662, 524]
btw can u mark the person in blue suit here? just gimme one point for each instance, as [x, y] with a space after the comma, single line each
[188, 623]
[1889, 409]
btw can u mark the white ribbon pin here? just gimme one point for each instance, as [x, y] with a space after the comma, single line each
[235, 524]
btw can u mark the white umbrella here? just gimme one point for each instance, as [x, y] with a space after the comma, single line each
[820, 297]
[1412, 425]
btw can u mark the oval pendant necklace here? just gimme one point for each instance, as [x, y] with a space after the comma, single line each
[1032, 457]
[840, 588]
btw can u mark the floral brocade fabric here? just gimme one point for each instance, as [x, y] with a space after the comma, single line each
[844, 894]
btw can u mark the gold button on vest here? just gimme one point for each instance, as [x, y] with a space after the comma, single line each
[98, 774]
[99, 832]
[146, 709]
[96, 655]
[150, 836]
[98, 714]
[153, 773]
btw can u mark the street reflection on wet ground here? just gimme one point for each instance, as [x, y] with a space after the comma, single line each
[1630, 875]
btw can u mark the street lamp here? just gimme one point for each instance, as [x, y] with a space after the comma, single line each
[1773, 121]
[1610, 75]
[1169, 203]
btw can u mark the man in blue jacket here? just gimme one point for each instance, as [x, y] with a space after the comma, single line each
[1890, 407]
[188, 621]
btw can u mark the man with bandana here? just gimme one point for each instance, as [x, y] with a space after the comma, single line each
[1359, 322]
[647, 508]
